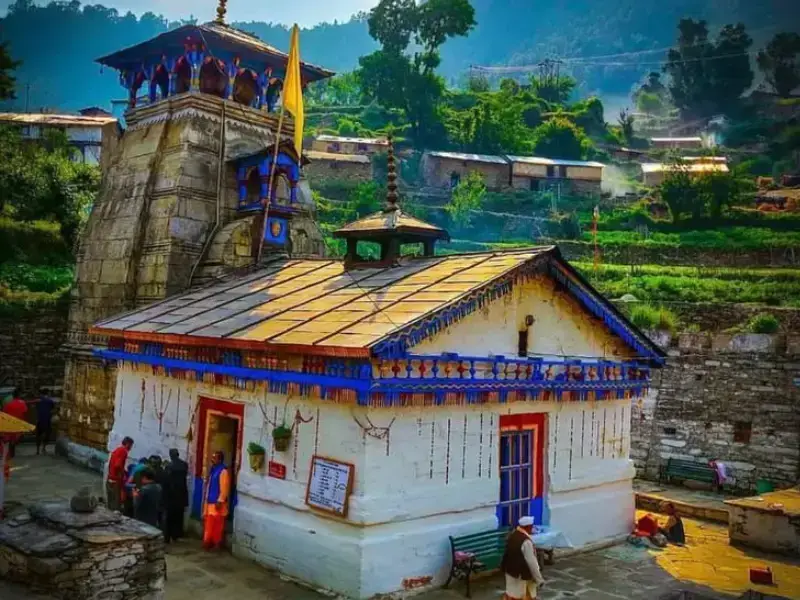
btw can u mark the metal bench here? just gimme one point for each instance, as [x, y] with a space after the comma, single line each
[483, 552]
[686, 469]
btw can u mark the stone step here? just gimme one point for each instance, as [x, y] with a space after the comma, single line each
[703, 511]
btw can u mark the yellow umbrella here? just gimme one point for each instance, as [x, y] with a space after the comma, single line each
[9, 425]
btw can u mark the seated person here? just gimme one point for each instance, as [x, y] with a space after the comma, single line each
[673, 530]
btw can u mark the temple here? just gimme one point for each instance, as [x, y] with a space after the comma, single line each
[184, 192]
[389, 402]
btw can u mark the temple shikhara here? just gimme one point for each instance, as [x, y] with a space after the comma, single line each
[397, 400]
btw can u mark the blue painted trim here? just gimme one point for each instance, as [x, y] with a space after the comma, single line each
[402, 385]
[197, 498]
[238, 372]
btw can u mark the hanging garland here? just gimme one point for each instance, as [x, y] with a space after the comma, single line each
[141, 405]
[378, 433]
[161, 409]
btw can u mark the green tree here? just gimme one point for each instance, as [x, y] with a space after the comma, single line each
[706, 76]
[342, 90]
[7, 67]
[408, 81]
[41, 182]
[478, 84]
[366, 198]
[780, 63]
[554, 88]
[680, 193]
[466, 197]
[625, 122]
[560, 138]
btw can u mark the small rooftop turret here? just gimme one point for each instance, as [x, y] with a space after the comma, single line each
[390, 228]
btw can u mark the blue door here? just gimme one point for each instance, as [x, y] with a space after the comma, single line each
[521, 475]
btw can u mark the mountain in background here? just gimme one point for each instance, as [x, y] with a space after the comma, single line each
[59, 42]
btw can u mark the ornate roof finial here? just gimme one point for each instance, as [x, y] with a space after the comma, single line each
[391, 178]
[221, 11]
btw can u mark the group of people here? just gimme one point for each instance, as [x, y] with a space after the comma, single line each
[149, 490]
[157, 493]
[45, 405]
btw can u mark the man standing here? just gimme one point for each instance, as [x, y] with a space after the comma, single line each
[116, 474]
[523, 577]
[44, 420]
[177, 496]
[215, 507]
[147, 500]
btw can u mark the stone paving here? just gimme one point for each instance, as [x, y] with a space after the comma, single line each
[707, 567]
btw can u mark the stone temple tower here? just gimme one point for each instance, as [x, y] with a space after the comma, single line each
[182, 199]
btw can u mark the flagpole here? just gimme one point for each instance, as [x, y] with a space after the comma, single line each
[269, 186]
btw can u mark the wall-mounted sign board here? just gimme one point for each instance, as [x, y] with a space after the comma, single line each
[329, 485]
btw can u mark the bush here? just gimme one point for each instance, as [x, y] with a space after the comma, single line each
[763, 323]
[649, 317]
[38, 242]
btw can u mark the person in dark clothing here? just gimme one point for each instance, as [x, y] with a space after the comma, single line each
[673, 530]
[44, 420]
[160, 476]
[147, 500]
[176, 498]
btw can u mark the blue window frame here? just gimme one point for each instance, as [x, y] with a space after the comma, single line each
[516, 479]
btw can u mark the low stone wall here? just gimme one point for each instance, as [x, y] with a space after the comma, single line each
[29, 349]
[733, 398]
[82, 556]
[682, 256]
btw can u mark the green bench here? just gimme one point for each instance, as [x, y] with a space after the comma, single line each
[482, 552]
[686, 469]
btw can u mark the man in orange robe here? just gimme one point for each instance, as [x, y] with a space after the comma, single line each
[215, 504]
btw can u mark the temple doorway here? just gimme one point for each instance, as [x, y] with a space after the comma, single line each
[220, 426]
[521, 468]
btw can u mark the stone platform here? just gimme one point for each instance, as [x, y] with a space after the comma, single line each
[768, 522]
[52, 550]
[698, 504]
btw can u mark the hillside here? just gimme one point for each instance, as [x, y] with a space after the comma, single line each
[508, 32]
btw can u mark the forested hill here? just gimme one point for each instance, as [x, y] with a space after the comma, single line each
[59, 42]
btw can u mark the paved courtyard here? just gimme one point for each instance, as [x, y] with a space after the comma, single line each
[707, 566]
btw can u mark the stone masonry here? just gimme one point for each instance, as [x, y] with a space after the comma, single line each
[734, 398]
[29, 347]
[81, 556]
[150, 229]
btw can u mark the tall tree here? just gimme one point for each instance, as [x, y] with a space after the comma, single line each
[398, 78]
[780, 63]
[7, 79]
[708, 76]
[652, 96]
[560, 138]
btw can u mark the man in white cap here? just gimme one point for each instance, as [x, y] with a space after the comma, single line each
[523, 577]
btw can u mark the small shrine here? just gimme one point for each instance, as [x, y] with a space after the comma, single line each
[388, 404]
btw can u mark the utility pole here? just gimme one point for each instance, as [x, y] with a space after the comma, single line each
[27, 97]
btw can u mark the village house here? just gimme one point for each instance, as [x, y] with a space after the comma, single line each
[334, 144]
[424, 397]
[676, 143]
[91, 136]
[445, 170]
[653, 174]
[568, 176]
[326, 166]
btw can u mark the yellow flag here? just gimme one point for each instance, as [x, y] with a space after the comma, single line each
[293, 90]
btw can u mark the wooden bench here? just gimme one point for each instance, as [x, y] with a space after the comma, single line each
[686, 469]
[483, 552]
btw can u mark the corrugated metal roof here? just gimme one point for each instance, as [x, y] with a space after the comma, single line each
[353, 140]
[666, 140]
[698, 167]
[55, 120]
[484, 158]
[318, 302]
[9, 424]
[538, 160]
[351, 158]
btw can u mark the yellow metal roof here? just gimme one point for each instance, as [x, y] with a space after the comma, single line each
[317, 302]
[390, 221]
[9, 424]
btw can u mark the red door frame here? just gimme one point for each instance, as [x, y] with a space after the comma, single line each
[534, 422]
[229, 409]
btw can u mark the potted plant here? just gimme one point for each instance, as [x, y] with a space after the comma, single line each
[280, 437]
[257, 453]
